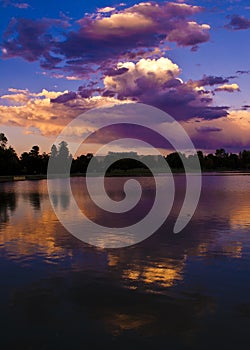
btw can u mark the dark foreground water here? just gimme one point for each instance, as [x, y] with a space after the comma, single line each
[184, 291]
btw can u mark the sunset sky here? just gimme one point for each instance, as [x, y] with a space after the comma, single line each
[190, 59]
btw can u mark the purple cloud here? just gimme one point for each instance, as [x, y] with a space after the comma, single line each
[65, 97]
[99, 40]
[180, 100]
[156, 82]
[184, 104]
[243, 72]
[113, 72]
[245, 107]
[31, 40]
[238, 23]
[20, 5]
[212, 80]
[206, 129]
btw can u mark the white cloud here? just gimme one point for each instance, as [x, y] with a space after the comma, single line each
[106, 9]
[155, 71]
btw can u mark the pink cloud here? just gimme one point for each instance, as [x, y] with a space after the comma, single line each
[103, 38]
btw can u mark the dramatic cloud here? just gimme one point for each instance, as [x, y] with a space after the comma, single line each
[151, 73]
[156, 82]
[35, 111]
[228, 88]
[38, 114]
[238, 23]
[100, 39]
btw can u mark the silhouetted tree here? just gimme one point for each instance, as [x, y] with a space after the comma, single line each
[174, 160]
[33, 162]
[63, 158]
[9, 162]
[53, 152]
[3, 141]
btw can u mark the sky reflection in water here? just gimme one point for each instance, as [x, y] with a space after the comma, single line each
[178, 290]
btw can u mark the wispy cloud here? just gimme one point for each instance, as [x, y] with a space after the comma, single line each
[106, 9]
[238, 23]
[20, 5]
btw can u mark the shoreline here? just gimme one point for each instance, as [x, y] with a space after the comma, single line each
[13, 178]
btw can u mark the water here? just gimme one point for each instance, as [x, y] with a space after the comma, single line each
[184, 291]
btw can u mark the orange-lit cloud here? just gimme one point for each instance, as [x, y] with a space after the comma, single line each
[36, 111]
[106, 9]
[228, 88]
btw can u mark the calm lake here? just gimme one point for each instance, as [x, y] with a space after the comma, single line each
[172, 291]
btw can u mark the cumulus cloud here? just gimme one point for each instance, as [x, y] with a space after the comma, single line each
[238, 23]
[189, 34]
[153, 73]
[104, 37]
[157, 82]
[228, 88]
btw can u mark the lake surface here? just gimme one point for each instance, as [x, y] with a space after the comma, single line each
[185, 291]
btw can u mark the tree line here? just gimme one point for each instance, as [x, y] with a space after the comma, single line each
[34, 162]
